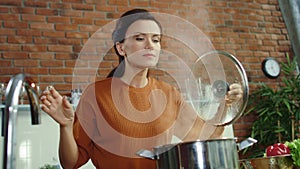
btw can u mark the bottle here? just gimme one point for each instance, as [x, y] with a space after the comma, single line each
[75, 96]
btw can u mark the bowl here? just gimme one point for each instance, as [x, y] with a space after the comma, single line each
[275, 162]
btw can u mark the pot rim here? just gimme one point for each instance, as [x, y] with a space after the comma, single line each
[196, 141]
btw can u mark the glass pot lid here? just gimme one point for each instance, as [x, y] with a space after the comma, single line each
[208, 83]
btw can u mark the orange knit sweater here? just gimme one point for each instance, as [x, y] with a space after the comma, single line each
[113, 121]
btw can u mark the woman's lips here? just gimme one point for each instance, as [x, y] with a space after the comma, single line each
[149, 55]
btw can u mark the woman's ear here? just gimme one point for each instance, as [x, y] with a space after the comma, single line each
[120, 49]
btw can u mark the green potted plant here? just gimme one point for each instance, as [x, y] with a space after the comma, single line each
[48, 166]
[277, 110]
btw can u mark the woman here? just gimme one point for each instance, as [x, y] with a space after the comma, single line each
[127, 111]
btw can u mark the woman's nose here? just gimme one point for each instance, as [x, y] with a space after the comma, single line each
[149, 44]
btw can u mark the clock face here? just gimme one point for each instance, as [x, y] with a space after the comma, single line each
[271, 68]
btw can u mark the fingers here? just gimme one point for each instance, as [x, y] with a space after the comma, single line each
[66, 103]
[46, 108]
[234, 94]
[57, 106]
[234, 86]
[50, 99]
[235, 90]
[54, 92]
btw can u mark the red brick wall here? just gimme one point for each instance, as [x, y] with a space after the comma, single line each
[44, 38]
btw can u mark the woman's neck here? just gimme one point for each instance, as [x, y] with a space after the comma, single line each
[137, 78]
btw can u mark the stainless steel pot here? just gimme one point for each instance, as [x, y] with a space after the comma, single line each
[209, 154]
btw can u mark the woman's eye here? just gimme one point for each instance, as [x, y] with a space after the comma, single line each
[142, 38]
[156, 40]
[139, 38]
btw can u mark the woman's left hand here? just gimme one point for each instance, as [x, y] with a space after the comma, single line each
[234, 94]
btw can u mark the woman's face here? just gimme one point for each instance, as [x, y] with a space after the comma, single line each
[141, 46]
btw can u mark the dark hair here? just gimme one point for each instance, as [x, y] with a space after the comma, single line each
[118, 34]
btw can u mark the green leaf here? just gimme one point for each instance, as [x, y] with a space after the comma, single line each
[273, 106]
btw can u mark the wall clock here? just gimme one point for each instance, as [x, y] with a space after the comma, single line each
[271, 67]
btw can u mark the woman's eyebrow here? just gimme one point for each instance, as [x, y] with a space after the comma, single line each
[143, 33]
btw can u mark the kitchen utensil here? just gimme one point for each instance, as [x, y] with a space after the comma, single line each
[206, 87]
[209, 154]
[276, 162]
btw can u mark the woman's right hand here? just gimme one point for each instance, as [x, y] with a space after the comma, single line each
[58, 107]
